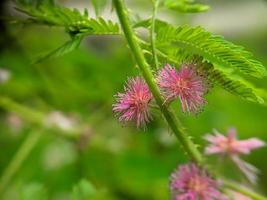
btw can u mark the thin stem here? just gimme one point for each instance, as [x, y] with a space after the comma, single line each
[23, 111]
[173, 122]
[152, 33]
[18, 159]
[243, 190]
[159, 53]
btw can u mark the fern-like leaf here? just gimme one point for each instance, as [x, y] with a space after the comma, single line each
[213, 48]
[74, 21]
[234, 85]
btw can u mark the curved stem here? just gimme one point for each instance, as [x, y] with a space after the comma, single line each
[18, 159]
[152, 33]
[173, 122]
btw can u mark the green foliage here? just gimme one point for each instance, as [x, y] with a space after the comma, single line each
[219, 77]
[219, 59]
[215, 49]
[69, 46]
[230, 83]
[175, 45]
[90, 83]
[100, 26]
[82, 84]
[74, 21]
[77, 24]
[185, 6]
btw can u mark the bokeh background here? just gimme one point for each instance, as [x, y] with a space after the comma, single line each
[57, 130]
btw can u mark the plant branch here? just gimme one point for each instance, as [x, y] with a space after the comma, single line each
[172, 121]
[152, 33]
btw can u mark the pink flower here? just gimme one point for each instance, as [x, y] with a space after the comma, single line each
[133, 105]
[190, 182]
[186, 85]
[230, 146]
[220, 144]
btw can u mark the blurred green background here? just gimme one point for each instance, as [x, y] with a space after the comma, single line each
[107, 160]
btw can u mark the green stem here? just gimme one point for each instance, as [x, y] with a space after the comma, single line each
[173, 122]
[18, 159]
[152, 33]
[243, 190]
[24, 112]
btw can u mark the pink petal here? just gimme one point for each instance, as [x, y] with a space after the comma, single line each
[245, 146]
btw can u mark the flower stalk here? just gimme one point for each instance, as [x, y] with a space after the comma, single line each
[152, 34]
[171, 119]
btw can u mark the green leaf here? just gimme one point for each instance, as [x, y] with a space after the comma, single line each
[185, 6]
[99, 6]
[232, 84]
[213, 48]
[62, 50]
[100, 26]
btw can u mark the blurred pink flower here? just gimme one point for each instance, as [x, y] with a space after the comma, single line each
[229, 145]
[221, 144]
[184, 84]
[190, 182]
[133, 104]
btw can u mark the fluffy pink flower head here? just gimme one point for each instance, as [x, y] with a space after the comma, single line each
[133, 104]
[190, 182]
[184, 84]
[221, 144]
